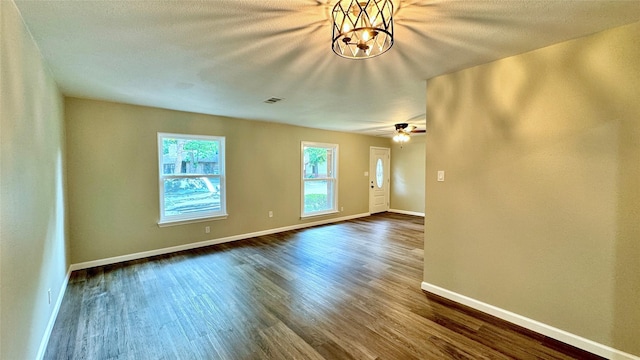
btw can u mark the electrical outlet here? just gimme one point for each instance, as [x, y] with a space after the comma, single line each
[49, 296]
[341, 208]
[207, 229]
[270, 213]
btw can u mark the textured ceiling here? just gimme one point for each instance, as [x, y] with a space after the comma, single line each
[226, 57]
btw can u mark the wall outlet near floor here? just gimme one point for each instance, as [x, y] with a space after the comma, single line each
[270, 213]
[49, 296]
[341, 208]
[207, 229]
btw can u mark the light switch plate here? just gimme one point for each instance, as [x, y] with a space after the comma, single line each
[441, 175]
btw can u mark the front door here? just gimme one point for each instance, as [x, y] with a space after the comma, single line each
[379, 179]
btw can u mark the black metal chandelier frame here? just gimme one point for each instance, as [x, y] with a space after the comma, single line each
[362, 29]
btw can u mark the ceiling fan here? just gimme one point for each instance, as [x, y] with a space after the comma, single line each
[408, 128]
[403, 132]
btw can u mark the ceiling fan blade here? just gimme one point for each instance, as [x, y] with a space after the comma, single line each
[418, 131]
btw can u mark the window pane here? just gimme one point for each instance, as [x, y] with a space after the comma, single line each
[318, 196]
[188, 195]
[379, 173]
[317, 162]
[183, 156]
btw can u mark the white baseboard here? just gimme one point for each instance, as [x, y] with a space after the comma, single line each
[54, 315]
[540, 328]
[169, 250]
[406, 212]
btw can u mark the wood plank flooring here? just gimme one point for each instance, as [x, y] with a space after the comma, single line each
[349, 290]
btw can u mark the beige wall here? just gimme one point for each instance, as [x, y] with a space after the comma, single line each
[407, 175]
[112, 159]
[540, 210]
[32, 190]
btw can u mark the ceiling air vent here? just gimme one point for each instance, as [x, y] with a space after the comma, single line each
[272, 100]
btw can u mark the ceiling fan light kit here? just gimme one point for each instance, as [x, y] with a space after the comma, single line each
[401, 137]
[402, 134]
[362, 29]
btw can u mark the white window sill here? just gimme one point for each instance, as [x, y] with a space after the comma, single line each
[325, 213]
[167, 223]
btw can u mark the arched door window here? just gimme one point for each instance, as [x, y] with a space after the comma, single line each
[379, 173]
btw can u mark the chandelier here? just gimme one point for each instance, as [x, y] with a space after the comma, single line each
[362, 29]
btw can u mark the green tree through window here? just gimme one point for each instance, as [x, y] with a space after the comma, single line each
[319, 178]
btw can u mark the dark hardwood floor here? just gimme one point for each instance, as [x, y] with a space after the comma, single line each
[349, 290]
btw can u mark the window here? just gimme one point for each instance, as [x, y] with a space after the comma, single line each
[319, 178]
[192, 184]
[379, 173]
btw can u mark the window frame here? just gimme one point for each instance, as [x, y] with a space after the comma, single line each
[198, 216]
[334, 178]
